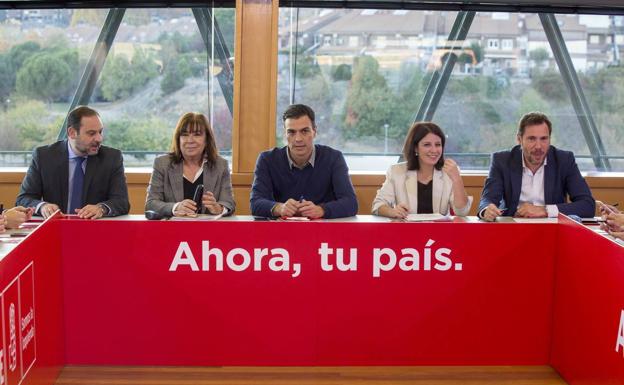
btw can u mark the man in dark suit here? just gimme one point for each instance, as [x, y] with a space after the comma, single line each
[534, 179]
[77, 175]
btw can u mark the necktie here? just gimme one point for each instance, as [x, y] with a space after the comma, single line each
[76, 195]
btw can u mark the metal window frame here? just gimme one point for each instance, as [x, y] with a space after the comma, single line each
[93, 70]
[577, 96]
[461, 26]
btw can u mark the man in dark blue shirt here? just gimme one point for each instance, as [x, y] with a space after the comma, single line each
[302, 179]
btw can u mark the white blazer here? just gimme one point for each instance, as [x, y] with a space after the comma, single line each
[401, 186]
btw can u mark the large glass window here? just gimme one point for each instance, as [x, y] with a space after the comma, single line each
[601, 73]
[42, 54]
[366, 72]
[158, 67]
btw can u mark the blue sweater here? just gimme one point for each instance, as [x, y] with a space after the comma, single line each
[326, 184]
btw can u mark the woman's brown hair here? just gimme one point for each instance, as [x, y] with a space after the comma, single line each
[193, 122]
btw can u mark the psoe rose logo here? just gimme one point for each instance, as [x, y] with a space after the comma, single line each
[12, 339]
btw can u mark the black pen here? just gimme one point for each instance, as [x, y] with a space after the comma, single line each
[1, 208]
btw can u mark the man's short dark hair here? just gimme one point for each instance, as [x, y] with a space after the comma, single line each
[533, 119]
[295, 111]
[75, 116]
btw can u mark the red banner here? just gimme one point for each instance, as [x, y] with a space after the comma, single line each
[32, 311]
[316, 293]
[588, 338]
[10, 321]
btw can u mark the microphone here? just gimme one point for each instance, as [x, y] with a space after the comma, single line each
[197, 197]
[153, 215]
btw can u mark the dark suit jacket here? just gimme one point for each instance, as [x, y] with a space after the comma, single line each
[562, 178]
[48, 175]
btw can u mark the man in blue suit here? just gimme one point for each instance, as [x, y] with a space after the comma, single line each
[534, 179]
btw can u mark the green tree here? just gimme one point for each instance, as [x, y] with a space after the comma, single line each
[307, 67]
[44, 77]
[316, 92]
[121, 78]
[605, 90]
[116, 78]
[33, 123]
[477, 50]
[143, 66]
[197, 63]
[341, 72]
[20, 52]
[550, 85]
[7, 78]
[370, 103]
[531, 100]
[139, 134]
[539, 56]
[412, 84]
[175, 74]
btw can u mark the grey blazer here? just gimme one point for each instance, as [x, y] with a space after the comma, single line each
[166, 186]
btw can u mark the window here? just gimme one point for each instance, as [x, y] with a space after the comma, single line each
[34, 107]
[604, 89]
[157, 68]
[594, 39]
[366, 95]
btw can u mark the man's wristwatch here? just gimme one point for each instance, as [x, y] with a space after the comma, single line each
[104, 209]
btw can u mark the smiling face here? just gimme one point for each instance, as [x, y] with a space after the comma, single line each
[535, 142]
[300, 134]
[192, 143]
[86, 140]
[429, 150]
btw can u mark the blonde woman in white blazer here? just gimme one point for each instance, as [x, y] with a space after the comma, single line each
[426, 171]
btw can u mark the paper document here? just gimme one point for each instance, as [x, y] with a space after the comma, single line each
[535, 220]
[427, 217]
[296, 219]
[199, 217]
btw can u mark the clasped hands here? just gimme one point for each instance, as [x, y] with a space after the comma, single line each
[613, 220]
[303, 208]
[525, 210]
[13, 218]
[188, 207]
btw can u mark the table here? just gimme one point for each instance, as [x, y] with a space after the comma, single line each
[241, 292]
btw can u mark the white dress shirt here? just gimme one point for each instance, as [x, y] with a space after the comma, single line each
[533, 189]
